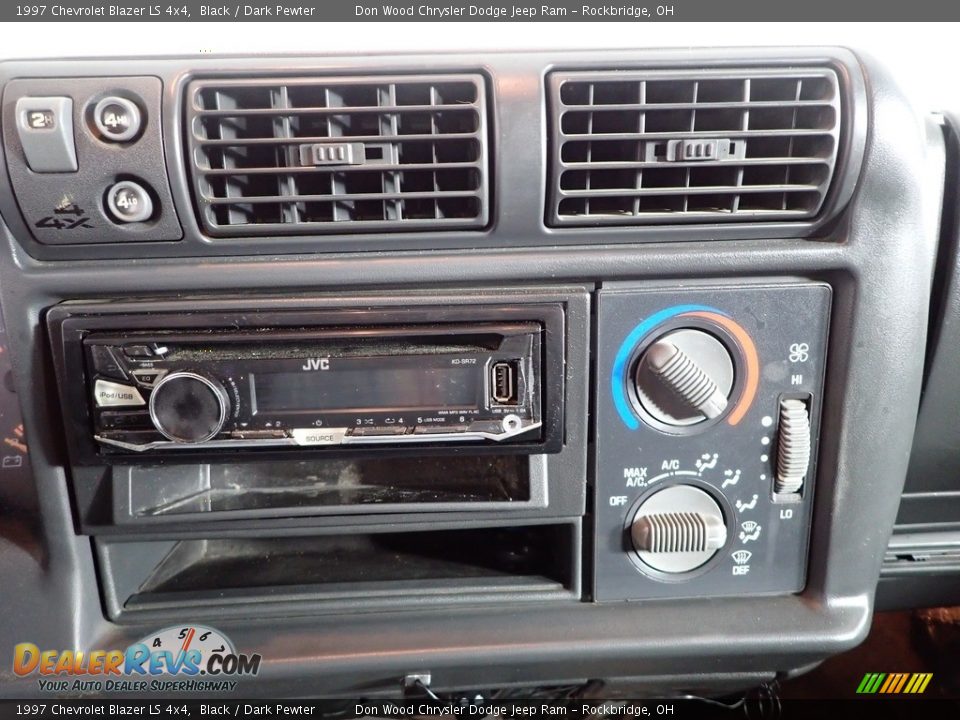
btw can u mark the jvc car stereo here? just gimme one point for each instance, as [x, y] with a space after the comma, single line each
[161, 383]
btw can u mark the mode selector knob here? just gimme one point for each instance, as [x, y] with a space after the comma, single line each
[189, 408]
[678, 529]
[684, 377]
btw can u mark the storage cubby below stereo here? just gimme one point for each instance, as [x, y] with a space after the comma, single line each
[202, 492]
[259, 575]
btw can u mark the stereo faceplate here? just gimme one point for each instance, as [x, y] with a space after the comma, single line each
[382, 385]
[155, 378]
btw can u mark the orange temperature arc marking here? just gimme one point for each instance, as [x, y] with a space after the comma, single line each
[750, 355]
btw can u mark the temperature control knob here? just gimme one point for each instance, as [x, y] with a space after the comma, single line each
[684, 377]
[189, 408]
[678, 529]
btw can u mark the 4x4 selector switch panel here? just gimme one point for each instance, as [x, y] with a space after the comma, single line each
[708, 400]
[91, 169]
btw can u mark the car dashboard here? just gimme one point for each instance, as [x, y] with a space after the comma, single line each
[519, 369]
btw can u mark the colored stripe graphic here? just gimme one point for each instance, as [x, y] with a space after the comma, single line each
[918, 683]
[894, 683]
[863, 683]
[870, 683]
[752, 374]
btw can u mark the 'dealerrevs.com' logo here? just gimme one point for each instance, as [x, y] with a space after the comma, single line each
[182, 658]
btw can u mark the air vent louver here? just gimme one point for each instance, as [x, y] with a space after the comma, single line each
[658, 147]
[330, 155]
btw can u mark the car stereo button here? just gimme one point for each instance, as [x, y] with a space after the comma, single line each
[439, 429]
[379, 430]
[318, 436]
[257, 434]
[147, 378]
[105, 363]
[137, 351]
[114, 394]
[114, 420]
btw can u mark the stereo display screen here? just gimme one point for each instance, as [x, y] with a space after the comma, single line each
[366, 389]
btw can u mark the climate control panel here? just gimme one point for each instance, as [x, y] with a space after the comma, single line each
[708, 404]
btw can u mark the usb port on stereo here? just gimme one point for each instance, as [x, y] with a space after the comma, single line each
[503, 382]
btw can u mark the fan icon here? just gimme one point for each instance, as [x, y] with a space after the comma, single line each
[799, 352]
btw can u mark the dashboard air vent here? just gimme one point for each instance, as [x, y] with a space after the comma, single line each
[338, 154]
[658, 147]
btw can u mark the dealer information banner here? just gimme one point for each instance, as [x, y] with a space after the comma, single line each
[456, 10]
[417, 709]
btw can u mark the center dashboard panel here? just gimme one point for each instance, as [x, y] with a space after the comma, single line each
[706, 426]
[418, 359]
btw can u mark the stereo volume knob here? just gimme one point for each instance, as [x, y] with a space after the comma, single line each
[189, 408]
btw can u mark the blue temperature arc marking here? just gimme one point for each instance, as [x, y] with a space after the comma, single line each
[618, 378]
